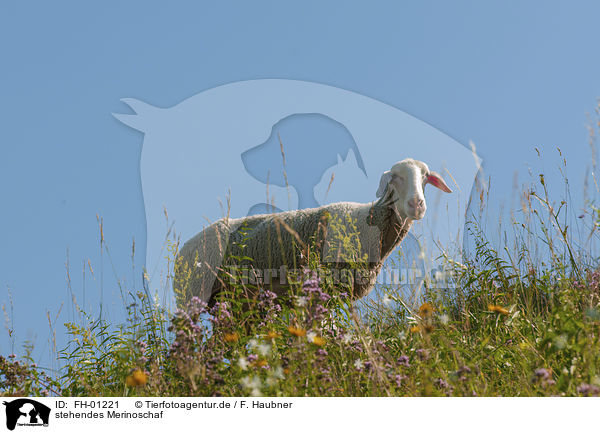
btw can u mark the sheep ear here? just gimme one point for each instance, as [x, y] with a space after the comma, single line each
[437, 181]
[386, 177]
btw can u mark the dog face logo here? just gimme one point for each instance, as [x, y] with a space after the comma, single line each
[26, 412]
[274, 145]
[311, 144]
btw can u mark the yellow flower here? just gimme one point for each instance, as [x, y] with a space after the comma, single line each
[415, 328]
[137, 378]
[497, 309]
[272, 335]
[426, 309]
[298, 332]
[231, 338]
[319, 341]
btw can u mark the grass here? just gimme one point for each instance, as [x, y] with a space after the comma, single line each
[517, 322]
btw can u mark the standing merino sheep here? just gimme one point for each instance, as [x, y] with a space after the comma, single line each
[278, 243]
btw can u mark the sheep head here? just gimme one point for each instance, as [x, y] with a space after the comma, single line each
[402, 186]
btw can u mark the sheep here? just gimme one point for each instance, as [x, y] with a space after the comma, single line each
[269, 239]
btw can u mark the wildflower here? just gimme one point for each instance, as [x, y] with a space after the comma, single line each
[322, 353]
[272, 335]
[415, 329]
[262, 363]
[399, 379]
[387, 300]
[587, 389]
[441, 383]
[301, 301]
[278, 373]
[264, 349]
[542, 373]
[544, 377]
[422, 354]
[319, 341]
[298, 332]
[426, 309]
[404, 361]
[253, 384]
[561, 341]
[231, 338]
[347, 338]
[315, 339]
[137, 378]
[358, 364]
[497, 309]
[243, 363]
[463, 372]
[444, 319]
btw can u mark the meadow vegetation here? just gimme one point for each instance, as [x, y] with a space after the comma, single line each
[517, 321]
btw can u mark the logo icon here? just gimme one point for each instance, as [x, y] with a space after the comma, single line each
[26, 412]
[264, 146]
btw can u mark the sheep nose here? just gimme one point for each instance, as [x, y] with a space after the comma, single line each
[416, 203]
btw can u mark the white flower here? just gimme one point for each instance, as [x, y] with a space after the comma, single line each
[347, 338]
[251, 382]
[263, 349]
[444, 319]
[358, 364]
[278, 373]
[252, 343]
[243, 363]
[387, 300]
[256, 393]
[310, 336]
[402, 335]
[301, 301]
[561, 341]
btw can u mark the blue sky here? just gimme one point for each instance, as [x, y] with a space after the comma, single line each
[506, 76]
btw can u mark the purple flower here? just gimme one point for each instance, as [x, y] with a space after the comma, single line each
[544, 377]
[441, 383]
[463, 371]
[422, 354]
[399, 379]
[404, 361]
[586, 390]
